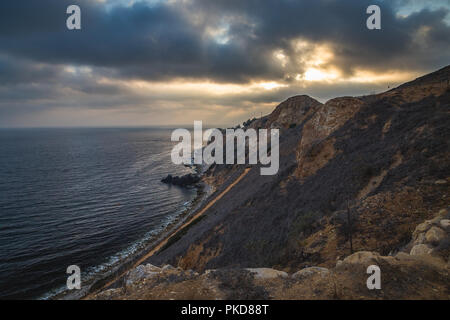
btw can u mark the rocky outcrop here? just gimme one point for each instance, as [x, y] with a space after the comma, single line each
[291, 112]
[432, 237]
[267, 273]
[183, 181]
[421, 274]
[311, 272]
[142, 272]
[419, 249]
[403, 276]
[316, 147]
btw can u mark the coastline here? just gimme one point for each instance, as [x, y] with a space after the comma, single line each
[197, 211]
[117, 271]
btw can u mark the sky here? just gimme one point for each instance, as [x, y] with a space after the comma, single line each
[170, 62]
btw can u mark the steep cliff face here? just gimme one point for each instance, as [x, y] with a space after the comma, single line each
[316, 147]
[369, 169]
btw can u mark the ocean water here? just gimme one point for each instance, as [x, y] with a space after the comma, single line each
[86, 197]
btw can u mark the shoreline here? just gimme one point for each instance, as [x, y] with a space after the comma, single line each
[158, 245]
[116, 272]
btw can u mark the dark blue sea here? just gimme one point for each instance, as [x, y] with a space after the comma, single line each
[86, 197]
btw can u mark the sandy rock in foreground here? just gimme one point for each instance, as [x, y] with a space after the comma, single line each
[421, 249]
[311, 271]
[267, 273]
[404, 276]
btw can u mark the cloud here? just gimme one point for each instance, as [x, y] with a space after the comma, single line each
[171, 39]
[316, 47]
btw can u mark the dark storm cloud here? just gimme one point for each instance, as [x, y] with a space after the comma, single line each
[45, 67]
[342, 24]
[164, 41]
[14, 70]
[139, 41]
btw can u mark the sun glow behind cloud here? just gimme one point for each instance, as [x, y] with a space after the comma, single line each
[311, 67]
[313, 74]
[207, 58]
[193, 87]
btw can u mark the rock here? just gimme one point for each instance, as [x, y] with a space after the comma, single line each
[440, 181]
[267, 273]
[362, 257]
[311, 271]
[435, 235]
[192, 273]
[142, 272]
[422, 227]
[419, 239]
[402, 256]
[167, 179]
[292, 111]
[109, 294]
[167, 267]
[183, 181]
[208, 273]
[420, 249]
[442, 212]
[150, 267]
[445, 223]
[435, 220]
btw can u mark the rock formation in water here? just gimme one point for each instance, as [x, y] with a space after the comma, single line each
[183, 181]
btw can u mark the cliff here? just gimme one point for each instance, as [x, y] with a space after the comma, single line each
[357, 174]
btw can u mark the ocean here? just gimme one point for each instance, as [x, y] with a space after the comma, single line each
[80, 196]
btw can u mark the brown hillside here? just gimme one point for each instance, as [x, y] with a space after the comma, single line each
[356, 174]
[383, 154]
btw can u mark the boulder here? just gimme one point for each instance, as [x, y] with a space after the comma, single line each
[167, 267]
[362, 257]
[419, 239]
[402, 256]
[183, 181]
[309, 272]
[150, 267]
[445, 223]
[435, 235]
[422, 227]
[267, 273]
[142, 272]
[109, 294]
[435, 220]
[420, 249]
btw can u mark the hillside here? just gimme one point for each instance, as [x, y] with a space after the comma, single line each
[357, 174]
